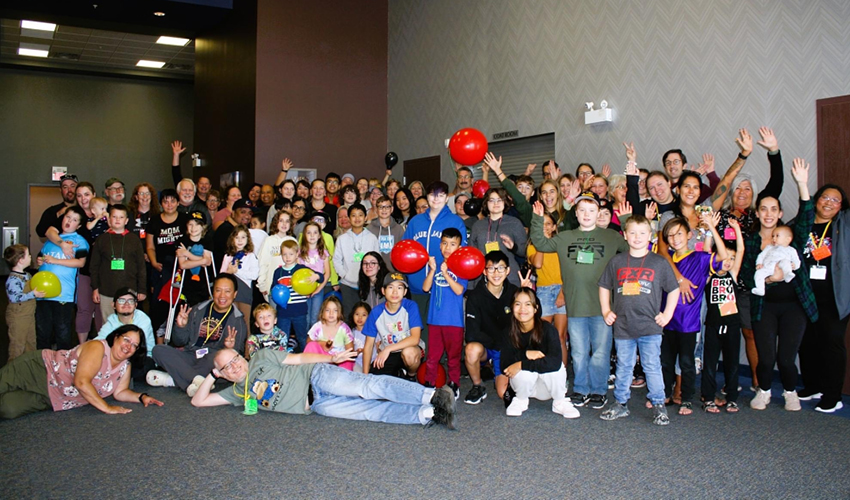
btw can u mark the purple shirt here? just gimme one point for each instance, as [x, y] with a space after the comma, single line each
[694, 267]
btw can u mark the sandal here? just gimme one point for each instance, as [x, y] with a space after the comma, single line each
[710, 407]
[638, 382]
[731, 407]
[686, 408]
[649, 403]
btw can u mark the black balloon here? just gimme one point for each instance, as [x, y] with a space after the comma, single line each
[391, 159]
[472, 207]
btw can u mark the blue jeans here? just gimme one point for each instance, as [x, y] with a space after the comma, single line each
[341, 393]
[650, 359]
[297, 323]
[313, 306]
[590, 343]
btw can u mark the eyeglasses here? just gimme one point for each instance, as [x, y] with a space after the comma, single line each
[229, 364]
[830, 198]
[143, 194]
[496, 269]
[370, 263]
[585, 174]
[385, 207]
[121, 302]
[672, 162]
[298, 207]
[465, 177]
[332, 182]
[130, 343]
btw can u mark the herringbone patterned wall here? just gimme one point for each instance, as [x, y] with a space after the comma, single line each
[678, 73]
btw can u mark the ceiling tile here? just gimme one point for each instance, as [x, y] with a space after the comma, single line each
[134, 44]
[140, 38]
[108, 34]
[70, 36]
[73, 30]
[130, 50]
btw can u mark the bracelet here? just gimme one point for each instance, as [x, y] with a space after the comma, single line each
[680, 280]
[142, 395]
[741, 156]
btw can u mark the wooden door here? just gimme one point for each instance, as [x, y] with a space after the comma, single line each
[425, 170]
[833, 117]
[40, 197]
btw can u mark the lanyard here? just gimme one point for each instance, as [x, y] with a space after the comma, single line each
[113, 246]
[243, 397]
[489, 223]
[629, 263]
[819, 243]
[220, 323]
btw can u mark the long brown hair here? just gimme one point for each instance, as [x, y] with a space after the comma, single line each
[133, 204]
[559, 214]
[516, 332]
[320, 245]
[231, 240]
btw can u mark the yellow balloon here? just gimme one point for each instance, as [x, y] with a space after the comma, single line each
[301, 283]
[47, 282]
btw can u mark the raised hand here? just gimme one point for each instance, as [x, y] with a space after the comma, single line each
[800, 171]
[707, 165]
[530, 168]
[444, 268]
[631, 154]
[632, 169]
[177, 147]
[606, 170]
[492, 163]
[183, 316]
[507, 241]
[286, 164]
[624, 208]
[230, 340]
[575, 189]
[768, 139]
[744, 142]
[538, 209]
[651, 210]
[525, 281]
[710, 219]
[432, 263]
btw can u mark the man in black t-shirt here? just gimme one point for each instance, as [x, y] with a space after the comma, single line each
[52, 216]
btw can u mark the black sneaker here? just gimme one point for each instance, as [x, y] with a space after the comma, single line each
[510, 393]
[476, 395]
[829, 406]
[597, 401]
[659, 415]
[578, 399]
[443, 402]
[455, 390]
[808, 395]
[611, 379]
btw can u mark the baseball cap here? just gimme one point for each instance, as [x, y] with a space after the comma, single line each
[587, 195]
[606, 205]
[242, 203]
[320, 213]
[113, 180]
[348, 176]
[199, 216]
[391, 278]
[125, 290]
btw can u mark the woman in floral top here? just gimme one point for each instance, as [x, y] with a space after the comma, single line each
[61, 380]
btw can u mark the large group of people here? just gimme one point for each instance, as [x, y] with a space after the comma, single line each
[623, 280]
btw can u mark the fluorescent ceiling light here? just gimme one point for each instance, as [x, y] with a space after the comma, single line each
[32, 52]
[36, 25]
[170, 40]
[150, 64]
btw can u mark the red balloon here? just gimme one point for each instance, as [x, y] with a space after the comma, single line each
[468, 146]
[479, 189]
[466, 263]
[409, 256]
[441, 375]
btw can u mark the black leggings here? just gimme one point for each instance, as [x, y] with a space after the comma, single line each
[823, 355]
[681, 345]
[725, 339]
[785, 321]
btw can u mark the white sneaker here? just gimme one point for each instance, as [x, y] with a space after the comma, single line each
[195, 385]
[792, 402]
[761, 400]
[565, 408]
[158, 378]
[517, 407]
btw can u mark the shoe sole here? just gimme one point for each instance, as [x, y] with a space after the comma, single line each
[475, 402]
[817, 395]
[834, 409]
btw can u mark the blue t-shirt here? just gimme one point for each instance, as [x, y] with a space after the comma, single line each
[67, 275]
[392, 327]
[445, 306]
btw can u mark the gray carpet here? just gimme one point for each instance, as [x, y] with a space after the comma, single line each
[181, 451]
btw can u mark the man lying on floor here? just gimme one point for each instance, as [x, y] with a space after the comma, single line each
[309, 382]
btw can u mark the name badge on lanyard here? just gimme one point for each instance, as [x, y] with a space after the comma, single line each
[631, 288]
[385, 243]
[821, 252]
[817, 272]
[117, 265]
[584, 257]
[491, 246]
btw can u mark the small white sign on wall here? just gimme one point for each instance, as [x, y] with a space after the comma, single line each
[57, 173]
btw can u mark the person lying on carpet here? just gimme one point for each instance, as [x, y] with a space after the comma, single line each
[62, 380]
[308, 382]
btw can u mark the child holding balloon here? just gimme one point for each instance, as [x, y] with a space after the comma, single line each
[314, 255]
[20, 313]
[292, 306]
[445, 313]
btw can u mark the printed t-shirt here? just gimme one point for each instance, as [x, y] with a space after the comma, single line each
[392, 328]
[275, 386]
[67, 275]
[722, 305]
[166, 235]
[446, 307]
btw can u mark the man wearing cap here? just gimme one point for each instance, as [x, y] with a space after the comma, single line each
[52, 216]
[117, 260]
[125, 305]
[239, 214]
[583, 254]
[347, 180]
[114, 191]
[394, 327]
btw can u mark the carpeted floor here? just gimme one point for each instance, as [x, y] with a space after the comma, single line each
[181, 451]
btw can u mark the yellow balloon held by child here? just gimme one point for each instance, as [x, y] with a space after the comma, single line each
[47, 282]
[302, 282]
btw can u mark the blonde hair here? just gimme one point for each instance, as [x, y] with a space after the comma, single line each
[262, 308]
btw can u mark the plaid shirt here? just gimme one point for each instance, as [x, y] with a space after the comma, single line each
[752, 247]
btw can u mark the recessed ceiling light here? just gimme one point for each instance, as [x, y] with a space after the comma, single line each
[32, 52]
[159, 13]
[150, 64]
[36, 25]
[170, 40]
